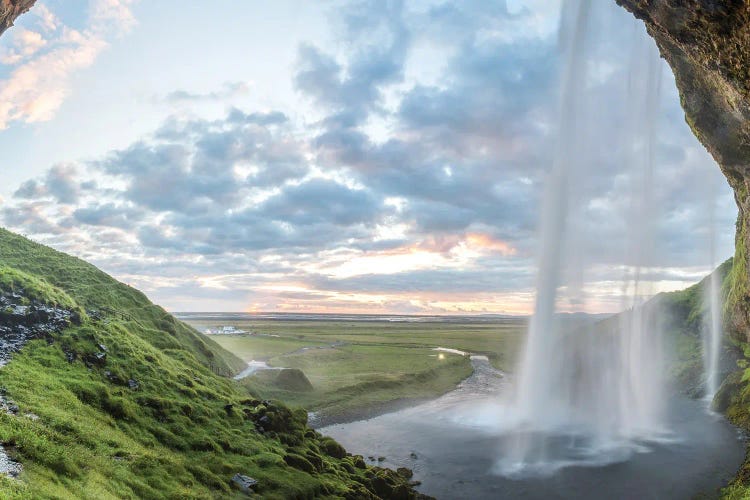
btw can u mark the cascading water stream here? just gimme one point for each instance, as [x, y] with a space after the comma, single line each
[712, 331]
[537, 385]
[641, 366]
[592, 395]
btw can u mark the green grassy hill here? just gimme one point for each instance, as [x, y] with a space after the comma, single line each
[680, 315]
[128, 402]
[685, 318]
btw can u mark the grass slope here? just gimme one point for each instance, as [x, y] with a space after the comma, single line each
[95, 290]
[681, 316]
[153, 418]
[686, 312]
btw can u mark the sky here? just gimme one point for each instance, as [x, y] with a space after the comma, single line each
[360, 156]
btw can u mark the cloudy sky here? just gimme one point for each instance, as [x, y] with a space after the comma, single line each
[374, 156]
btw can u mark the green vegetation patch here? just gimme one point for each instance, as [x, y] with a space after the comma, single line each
[33, 288]
[287, 379]
[357, 367]
[501, 339]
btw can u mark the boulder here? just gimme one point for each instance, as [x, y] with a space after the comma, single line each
[243, 482]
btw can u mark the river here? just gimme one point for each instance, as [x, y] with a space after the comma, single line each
[453, 445]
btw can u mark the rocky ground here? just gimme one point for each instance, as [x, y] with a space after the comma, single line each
[22, 320]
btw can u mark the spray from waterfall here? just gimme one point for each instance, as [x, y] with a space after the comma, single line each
[594, 394]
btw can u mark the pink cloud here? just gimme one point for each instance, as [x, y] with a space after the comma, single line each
[41, 79]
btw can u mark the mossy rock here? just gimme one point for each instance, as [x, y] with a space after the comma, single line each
[331, 448]
[299, 462]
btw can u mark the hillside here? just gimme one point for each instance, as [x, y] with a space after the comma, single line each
[684, 313]
[111, 397]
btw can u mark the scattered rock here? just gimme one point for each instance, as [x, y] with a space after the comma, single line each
[245, 483]
[9, 466]
[95, 315]
[22, 320]
[133, 384]
[405, 473]
[381, 459]
[413, 455]
[264, 421]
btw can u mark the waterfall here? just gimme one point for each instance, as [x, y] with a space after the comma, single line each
[641, 365]
[592, 394]
[712, 335]
[712, 332]
[538, 379]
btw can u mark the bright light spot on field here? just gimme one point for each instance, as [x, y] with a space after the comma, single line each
[441, 356]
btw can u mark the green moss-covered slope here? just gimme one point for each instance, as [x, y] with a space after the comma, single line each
[131, 403]
[684, 315]
[95, 291]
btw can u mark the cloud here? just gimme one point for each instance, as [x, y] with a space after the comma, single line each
[230, 90]
[26, 43]
[350, 91]
[44, 61]
[109, 215]
[33, 218]
[198, 166]
[321, 201]
[60, 183]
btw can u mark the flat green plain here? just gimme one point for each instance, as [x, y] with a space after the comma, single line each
[359, 368]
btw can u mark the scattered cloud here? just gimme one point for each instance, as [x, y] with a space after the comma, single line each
[436, 212]
[230, 91]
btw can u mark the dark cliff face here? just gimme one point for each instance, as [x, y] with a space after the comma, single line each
[707, 44]
[10, 10]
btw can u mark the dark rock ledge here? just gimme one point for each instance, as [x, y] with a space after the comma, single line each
[10, 10]
[22, 320]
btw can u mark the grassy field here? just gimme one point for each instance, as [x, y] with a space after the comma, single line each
[359, 367]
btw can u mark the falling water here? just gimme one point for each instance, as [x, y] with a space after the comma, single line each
[712, 332]
[712, 336]
[595, 394]
[641, 366]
